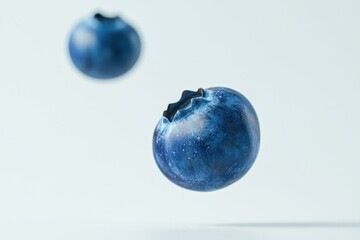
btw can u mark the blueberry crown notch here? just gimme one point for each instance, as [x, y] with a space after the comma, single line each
[103, 18]
[185, 99]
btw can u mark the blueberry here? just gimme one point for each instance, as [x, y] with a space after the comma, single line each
[103, 47]
[207, 140]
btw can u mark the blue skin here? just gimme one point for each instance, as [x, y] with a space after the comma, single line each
[208, 140]
[103, 47]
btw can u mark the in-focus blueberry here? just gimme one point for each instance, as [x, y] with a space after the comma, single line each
[208, 140]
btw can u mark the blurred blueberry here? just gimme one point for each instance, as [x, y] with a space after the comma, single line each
[208, 140]
[103, 47]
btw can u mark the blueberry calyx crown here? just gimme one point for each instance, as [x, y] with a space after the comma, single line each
[185, 99]
[103, 18]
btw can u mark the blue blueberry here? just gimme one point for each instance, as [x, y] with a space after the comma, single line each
[208, 140]
[103, 47]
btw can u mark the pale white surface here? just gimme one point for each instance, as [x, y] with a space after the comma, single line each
[78, 151]
[180, 232]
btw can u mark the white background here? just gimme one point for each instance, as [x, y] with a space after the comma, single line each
[78, 151]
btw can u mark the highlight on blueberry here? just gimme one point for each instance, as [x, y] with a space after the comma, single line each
[104, 47]
[207, 140]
